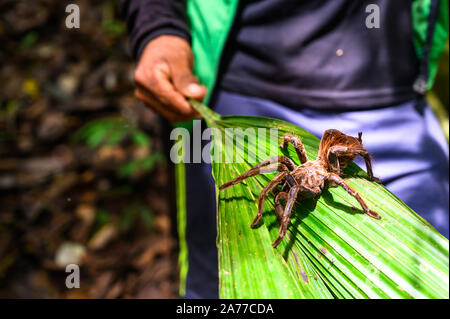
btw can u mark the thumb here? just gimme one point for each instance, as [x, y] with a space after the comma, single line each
[187, 84]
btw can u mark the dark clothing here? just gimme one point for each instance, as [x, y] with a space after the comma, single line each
[202, 280]
[148, 19]
[320, 54]
[316, 54]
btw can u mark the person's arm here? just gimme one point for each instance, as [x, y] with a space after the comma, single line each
[159, 39]
[148, 19]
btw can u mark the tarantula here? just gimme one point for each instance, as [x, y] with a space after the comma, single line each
[336, 151]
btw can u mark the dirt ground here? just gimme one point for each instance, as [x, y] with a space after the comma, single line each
[83, 177]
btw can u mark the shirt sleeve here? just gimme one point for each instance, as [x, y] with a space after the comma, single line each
[148, 19]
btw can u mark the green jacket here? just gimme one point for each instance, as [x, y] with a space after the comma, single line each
[211, 20]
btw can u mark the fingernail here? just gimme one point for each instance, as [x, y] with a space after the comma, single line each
[194, 88]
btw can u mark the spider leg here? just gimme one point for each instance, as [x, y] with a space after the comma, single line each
[292, 197]
[298, 145]
[285, 163]
[277, 159]
[278, 207]
[280, 159]
[333, 157]
[367, 159]
[339, 181]
[272, 184]
[340, 150]
[285, 186]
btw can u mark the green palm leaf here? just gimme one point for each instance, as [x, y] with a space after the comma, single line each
[331, 250]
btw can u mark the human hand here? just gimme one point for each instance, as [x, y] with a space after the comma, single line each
[164, 78]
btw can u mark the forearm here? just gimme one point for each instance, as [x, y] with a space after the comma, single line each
[148, 19]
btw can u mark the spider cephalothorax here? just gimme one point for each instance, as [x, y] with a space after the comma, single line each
[336, 151]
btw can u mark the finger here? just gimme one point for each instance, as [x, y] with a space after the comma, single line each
[165, 106]
[159, 84]
[157, 107]
[186, 83]
[154, 105]
[174, 98]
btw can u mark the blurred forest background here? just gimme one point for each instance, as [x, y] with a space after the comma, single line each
[83, 178]
[82, 173]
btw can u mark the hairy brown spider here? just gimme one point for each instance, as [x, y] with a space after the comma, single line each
[336, 151]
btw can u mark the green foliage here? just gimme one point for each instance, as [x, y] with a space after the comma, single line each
[28, 41]
[136, 213]
[332, 250]
[141, 165]
[114, 28]
[110, 131]
[102, 217]
[114, 130]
